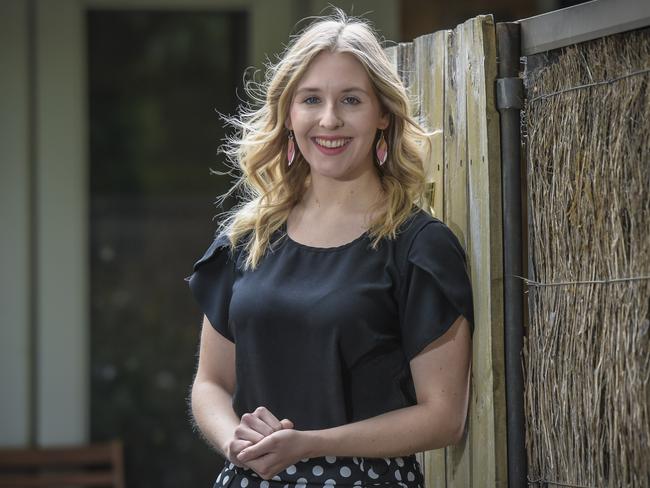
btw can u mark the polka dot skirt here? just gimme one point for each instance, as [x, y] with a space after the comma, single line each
[329, 472]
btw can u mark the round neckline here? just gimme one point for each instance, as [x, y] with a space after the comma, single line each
[320, 249]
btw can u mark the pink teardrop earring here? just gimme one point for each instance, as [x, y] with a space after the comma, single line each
[291, 148]
[381, 149]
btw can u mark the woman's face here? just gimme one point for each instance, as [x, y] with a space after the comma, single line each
[335, 115]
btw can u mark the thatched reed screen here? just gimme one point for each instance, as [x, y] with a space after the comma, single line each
[587, 354]
[451, 75]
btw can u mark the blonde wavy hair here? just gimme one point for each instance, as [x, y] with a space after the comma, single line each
[270, 188]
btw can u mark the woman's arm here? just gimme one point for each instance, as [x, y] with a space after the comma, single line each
[441, 378]
[211, 400]
[213, 387]
[441, 375]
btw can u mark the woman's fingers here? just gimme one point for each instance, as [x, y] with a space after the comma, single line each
[253, 422]
[256, 426]
[256, 451]
[235, 447]
[265, 415]
[246, 433]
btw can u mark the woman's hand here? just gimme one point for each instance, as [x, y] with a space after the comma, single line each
[252, 428]
[276, 452]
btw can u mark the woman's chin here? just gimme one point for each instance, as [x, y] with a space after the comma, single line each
[336, 171]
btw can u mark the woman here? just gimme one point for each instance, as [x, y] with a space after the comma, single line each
[331, 302]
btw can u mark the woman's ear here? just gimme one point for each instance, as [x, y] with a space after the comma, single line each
[384, 120]
[287, 123]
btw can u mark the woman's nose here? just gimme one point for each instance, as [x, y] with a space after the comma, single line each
[330, 118]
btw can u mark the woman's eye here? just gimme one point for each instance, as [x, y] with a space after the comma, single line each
[352, 100]
[347, 100]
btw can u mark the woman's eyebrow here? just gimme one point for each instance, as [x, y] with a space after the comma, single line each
[347, 90]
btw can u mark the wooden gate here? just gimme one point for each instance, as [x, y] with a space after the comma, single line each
[451, 74]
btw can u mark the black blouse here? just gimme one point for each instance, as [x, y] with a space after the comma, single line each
[324, 336]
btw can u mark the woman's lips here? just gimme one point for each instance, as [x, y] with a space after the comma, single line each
[332, 151]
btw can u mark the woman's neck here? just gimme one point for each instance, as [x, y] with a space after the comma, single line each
[333, 212]
[326, 196]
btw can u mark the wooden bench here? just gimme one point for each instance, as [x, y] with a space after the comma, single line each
[57, 467]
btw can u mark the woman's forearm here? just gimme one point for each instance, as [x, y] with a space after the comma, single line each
[397, 433]
[213, 413]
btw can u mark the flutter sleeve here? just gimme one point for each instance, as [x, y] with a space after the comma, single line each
[212, 282]
[436, 288]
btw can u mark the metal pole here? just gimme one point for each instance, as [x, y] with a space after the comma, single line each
[509, 103]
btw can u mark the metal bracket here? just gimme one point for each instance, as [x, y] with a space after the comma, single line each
[510, 93]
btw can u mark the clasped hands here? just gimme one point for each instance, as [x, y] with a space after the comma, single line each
[265, 444]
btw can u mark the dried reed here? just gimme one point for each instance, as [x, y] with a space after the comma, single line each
[587, 351]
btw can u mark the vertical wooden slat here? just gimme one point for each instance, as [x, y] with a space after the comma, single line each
[391, 54]
[406, 68]
[454, 140]
[488, 419]
[456, 213]
[430, 53]
[451, 74]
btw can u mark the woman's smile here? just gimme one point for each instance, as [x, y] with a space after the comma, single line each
[331, 146]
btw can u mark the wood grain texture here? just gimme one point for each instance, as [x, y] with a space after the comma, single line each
[456, 205]
[431, 63]
[488, 409]
[450, 75]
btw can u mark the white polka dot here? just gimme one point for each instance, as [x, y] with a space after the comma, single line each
[387, 461]
[231, 466]
[330, 482]
[219, 478]
[398, 475]
[276, 478]
[410, 476]
[225, 479]
[356, 461]
[330, 459]
[400, 462]
[301, 485]
[345, 472]
[372, 474]
[357, 483]
[301, 480]
[291, 469]
[244, 482]
[304, 460]
[317, 470]
[264, 484]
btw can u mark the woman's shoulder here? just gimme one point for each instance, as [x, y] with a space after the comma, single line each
[415, 223]
[222, 244]
[423, 233]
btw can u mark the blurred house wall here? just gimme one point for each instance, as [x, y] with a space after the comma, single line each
[14, 218]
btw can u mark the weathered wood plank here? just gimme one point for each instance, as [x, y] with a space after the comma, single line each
[435, 468]
[391, 54]
[456, 215]
[451, 76]
[488, 419]
[455, 175]
[430, 58]
[405, 66]
[430, 65]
